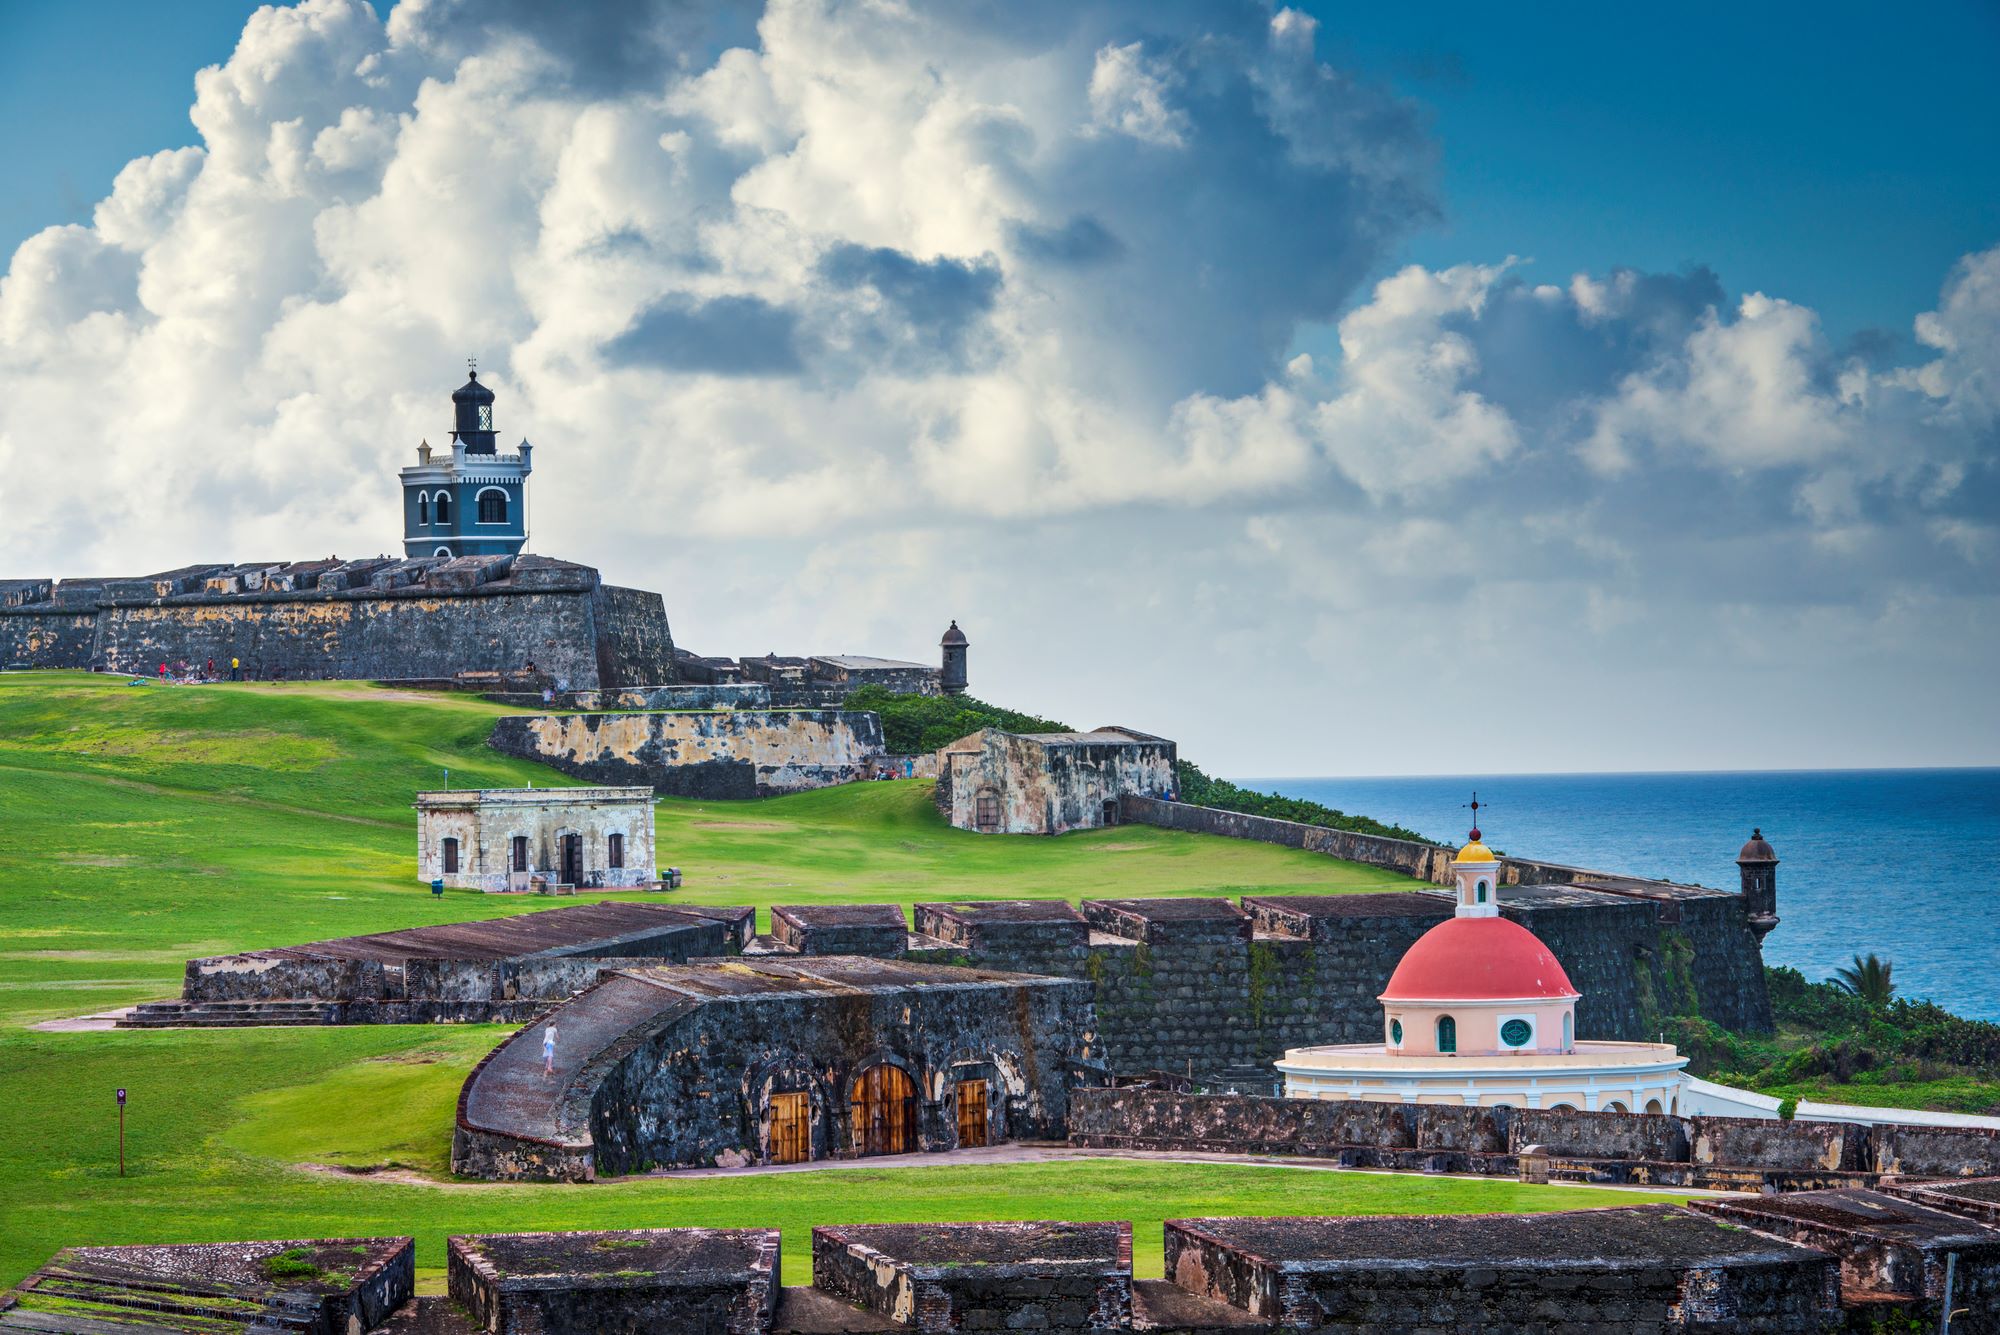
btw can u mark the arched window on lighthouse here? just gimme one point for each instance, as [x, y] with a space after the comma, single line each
[493, 506]
[1447, 1034]
[443, 508]
[423, 507]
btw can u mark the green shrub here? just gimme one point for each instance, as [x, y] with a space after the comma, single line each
[1788, 1108]
[1201, 790]
[913, 724]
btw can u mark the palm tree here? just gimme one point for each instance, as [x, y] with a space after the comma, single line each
[1868, 979]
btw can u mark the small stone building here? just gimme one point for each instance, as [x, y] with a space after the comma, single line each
[998, 782]
[761, 1060]
[498, 839]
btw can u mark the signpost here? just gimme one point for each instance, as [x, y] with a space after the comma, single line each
[121, 1133]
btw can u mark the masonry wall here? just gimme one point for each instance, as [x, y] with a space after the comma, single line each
[46, 637]
[634, 645]
[1045, 788]
[1637, 960]
[421, 620]
[1664, 1150]
[735, 754]
[715, 1066]
[541, 978]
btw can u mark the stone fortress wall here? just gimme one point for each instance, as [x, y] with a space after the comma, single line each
[1633, 1149]
[377, 619]
[1218, 990]
[1208, 988]
[733, 753]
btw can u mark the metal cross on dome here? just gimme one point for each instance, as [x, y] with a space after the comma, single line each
[472, 366]
[1475, 804]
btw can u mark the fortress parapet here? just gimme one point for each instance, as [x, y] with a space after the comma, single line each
[377, 618]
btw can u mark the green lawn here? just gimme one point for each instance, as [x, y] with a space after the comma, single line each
[143, 825]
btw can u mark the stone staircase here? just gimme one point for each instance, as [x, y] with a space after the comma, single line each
[229, 1014]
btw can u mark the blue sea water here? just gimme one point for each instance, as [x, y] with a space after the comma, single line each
[1898, 862]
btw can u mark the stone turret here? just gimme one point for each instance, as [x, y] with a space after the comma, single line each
[1758, 864]
[951, 676]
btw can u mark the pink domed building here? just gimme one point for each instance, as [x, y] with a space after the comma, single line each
[1480, 1012]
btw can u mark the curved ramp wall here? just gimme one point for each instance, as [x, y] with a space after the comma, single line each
[680, 1066]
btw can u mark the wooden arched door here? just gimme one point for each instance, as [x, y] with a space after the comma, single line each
[883, 1108]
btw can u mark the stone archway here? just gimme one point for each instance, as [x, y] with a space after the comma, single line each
[882, 1108]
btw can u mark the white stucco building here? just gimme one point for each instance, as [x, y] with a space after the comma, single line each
[498, 839]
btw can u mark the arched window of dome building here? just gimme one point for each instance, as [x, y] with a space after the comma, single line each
[493, 506]
[1480, 889]
[1653, 1106]
[1616, 1106]
[443, 508]
[1569, 1039]
[1447, 1034]
[1396, 1033]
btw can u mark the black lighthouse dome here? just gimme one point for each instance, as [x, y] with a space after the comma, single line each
[472, 416]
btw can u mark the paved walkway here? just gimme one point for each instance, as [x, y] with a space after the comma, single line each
[1046, 1152]
[83, 1024]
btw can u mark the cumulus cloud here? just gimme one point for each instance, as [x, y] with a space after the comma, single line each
[829, 319]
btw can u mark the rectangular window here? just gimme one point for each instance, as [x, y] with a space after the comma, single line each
[615, 851]
[986, 813]
[451, 857]
[520, 852]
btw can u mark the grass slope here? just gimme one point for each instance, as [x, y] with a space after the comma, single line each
[143, 825]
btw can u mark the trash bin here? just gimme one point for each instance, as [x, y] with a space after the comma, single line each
[437, 887]
[672, 878]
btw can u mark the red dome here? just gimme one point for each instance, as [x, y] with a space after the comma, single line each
[1478, 959]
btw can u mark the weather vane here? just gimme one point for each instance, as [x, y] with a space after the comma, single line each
[1475, 804]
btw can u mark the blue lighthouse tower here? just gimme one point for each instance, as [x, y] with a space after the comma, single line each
[472, 501]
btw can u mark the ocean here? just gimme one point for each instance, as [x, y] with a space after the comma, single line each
[1898, 862]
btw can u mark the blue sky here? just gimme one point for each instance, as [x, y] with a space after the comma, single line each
[1167, 347]
[1828, 153]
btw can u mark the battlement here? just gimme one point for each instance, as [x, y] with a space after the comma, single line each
[429, 618]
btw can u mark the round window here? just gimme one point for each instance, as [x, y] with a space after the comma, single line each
[1516, 1033]
[1396, 1031]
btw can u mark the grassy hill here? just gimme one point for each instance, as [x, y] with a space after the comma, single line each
[142, 825]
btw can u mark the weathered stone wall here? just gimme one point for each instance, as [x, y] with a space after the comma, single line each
[1652, 1269]
[1206, 994]
[1048, 787]
[695, 1093]
[1008, 1276]
[738, 753]
[1640, 951]
[375, 620]
[46, 637]
[689, 1281]
[1725, 1152]
[634, 645]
